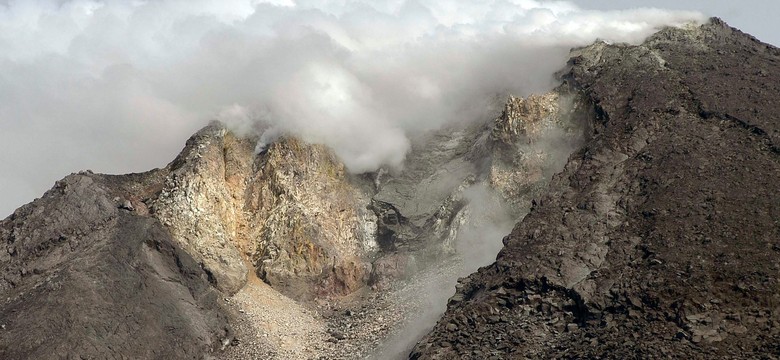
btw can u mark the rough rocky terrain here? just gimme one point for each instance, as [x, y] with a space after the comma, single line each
[661, 236]
[84, 275]
[654, 225]
[279, 254]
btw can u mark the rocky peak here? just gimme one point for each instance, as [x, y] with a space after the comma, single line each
[293, 215]
[652, 228]
[201, 203]
[653, 240]
[287, 213]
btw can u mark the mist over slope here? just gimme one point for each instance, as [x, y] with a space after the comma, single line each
[116, 86]
[659, 238]
[662, 220]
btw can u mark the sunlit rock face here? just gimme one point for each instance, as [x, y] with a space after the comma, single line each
[202, 206]
[308, 235]
[289, 213]
[294, 215]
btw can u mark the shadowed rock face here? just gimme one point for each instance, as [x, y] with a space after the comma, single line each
[661, 236]
[82, 277]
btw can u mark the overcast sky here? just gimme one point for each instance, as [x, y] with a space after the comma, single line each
[118, 86]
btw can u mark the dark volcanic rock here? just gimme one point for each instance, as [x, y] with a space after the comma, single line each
[660, 236]
[83, 276]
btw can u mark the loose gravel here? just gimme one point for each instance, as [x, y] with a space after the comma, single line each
[371, 324]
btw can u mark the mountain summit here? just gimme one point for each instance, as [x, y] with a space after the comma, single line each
[641, 192]
[661, 236]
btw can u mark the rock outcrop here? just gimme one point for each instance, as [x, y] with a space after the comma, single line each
[289, 214]
[316, 236]
[660, 236]
[531, 140]
[85, 276]
[201, 203]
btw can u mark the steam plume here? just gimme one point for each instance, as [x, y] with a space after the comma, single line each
[116, 86]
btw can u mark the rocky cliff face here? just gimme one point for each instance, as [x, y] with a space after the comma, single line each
[201, 203]
[289, 214]
[531, 140]
[317, 223]
[660, 236]
[308, 228]
[138, 264]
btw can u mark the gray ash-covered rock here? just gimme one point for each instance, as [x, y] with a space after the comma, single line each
[83, 275]
[659, 238]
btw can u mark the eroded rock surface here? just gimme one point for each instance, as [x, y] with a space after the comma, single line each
[660, 236]
[531, 140]
[138, 264]
[201, 204]
[289, 213]
[153, 255]
[315, 236]
[84, 278]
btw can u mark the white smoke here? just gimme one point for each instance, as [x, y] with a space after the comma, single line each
[116, 86]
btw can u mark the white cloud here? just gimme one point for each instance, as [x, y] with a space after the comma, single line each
[117, 86]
